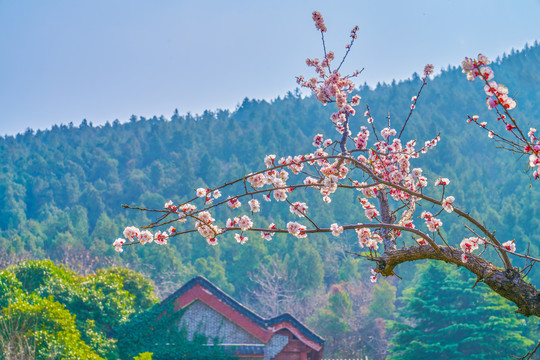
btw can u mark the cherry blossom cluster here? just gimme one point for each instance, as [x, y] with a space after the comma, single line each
[298, 208]
[496, 94]
[332, 87]
[319, 21]
[368, 238]
[534, 150]
[468, 245]
[131, 234]
[390, 161]
[296, 229]
[370, 211]
[432, 223]
[204, 223]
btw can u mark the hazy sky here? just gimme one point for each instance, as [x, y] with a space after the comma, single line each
[62, 61]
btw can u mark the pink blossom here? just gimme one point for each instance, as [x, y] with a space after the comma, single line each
[428, 70]
[268, 235]
[208, 230]
[487, 73]
[160, 238]
[531, 133]
[483, 60]
[369, 192]
[467, 65]
[280, 195]
[336, 229]
[318, 140]
[232, 223]
[371, 213]
[170, 206]
[182, 218]
[434, 224]
[442, 181]
[363, 233]
[254, 205]
[387, 132]
[491, 103]
[234, 203]
[240, 239]
[510, 246]
[491, 88]
[374, 241]
[269, 160]
[245, 223]
[416, 172]
[205, 217]
[118, 244]
[258, 180]
[188, 208]
[534, 160]
[362, 138]
[146, 237]
[296, 229]
[298, 208]
[468, 245]
[355, 100]
[131, 232]
[447, 204]
[201, 192]
[426, 215]
[319, 21]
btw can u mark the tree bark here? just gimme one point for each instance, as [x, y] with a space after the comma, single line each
[507, 283]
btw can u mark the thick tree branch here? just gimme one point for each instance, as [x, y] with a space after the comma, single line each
[506, 282]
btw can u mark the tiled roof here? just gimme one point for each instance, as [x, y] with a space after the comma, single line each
[249, 350]
[242, 309]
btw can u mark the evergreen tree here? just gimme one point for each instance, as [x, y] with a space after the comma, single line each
[444, 317]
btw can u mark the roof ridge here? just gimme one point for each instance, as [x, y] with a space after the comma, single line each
[250, 314]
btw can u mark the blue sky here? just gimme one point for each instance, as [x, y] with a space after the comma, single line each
[102, 60]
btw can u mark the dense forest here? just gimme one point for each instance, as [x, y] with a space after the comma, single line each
[61, 192]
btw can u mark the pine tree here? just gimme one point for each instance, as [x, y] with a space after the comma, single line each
[444, 317]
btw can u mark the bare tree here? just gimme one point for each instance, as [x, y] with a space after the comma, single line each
[274, 291]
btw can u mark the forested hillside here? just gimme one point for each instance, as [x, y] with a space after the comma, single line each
[61, 190]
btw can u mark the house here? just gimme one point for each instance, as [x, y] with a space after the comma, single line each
[209, 311]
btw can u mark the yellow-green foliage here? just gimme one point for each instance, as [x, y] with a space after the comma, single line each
[49, 309]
